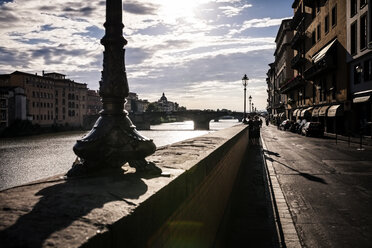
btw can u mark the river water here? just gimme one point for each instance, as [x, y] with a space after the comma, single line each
[26, 159]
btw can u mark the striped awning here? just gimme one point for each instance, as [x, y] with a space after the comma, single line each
[315, 112]
[323, 110]
[335, 110]
[303, 112]
[361, 99]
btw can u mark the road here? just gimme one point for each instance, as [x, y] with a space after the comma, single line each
[327, 187]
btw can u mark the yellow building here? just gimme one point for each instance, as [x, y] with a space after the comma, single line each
[319, 90]
[51, 98]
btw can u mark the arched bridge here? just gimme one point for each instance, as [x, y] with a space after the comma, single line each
[201, 118]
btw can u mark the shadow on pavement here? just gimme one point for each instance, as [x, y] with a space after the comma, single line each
[63, 203]
[305, 175]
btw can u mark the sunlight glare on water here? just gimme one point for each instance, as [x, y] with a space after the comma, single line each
[27, 159]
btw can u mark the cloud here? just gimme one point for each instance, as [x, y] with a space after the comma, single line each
[191, 49]
[231, 11]
[139, 8]
[258, 23]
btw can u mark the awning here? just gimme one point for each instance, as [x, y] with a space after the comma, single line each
[281, 114]
[295, 112]
[317, 57]
[361, 99]
[323, 111]
[315, 112]
[299, 113]
[303, 112]
[335, 110]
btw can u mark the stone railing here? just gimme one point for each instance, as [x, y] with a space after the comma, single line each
[130, 210]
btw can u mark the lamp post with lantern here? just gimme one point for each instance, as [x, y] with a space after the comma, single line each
[245, 83]
[250, 103]
[113, 140]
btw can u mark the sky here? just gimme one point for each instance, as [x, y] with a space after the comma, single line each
[195, 51]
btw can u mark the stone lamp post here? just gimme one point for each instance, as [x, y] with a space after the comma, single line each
[113, 140]
[245, 83]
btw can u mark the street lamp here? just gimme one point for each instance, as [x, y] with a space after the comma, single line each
[250, 103]
[245, 83]
[252, 106]
[113, 140]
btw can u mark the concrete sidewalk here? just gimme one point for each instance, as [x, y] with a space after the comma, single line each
[251, 219]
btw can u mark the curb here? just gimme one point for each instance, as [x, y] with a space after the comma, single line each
[286, 230]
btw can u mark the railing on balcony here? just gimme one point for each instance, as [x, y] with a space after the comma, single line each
[325, 64]
[297, 18]
[295, 82]
[297, 39]
[297, 61]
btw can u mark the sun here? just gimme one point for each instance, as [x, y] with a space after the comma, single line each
[173, 10]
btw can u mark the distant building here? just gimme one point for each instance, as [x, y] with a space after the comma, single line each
[283, 71]
[50, 98]
[12, 105]
[166, 106]
[94, 104]
[135, 105]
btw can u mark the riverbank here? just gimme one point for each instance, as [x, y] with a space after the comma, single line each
[26, 128]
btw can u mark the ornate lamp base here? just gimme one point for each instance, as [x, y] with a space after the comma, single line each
[111, 143]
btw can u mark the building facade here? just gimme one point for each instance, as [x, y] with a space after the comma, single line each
[359, 61]
[283, 71]
[134, 104]
[166, 106]
[51, 98]
[12, 105]
[319, 89]
[94, 104]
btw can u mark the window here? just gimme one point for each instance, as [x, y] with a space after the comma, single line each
[353, 38]
[313, 40]
[363, 3]
[353, 7]
[367, 69]
[318, 31]
[326, 24]
[363, 32]
[334, 16]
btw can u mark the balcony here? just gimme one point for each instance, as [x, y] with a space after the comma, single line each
[326, 64]
[297, 39]
[297, 61]
[294, 83]
[297, 18]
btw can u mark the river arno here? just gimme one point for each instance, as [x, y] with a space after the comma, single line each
[23, 160]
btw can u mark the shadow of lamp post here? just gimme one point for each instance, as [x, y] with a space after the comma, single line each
[245, 83]
[113, 140]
